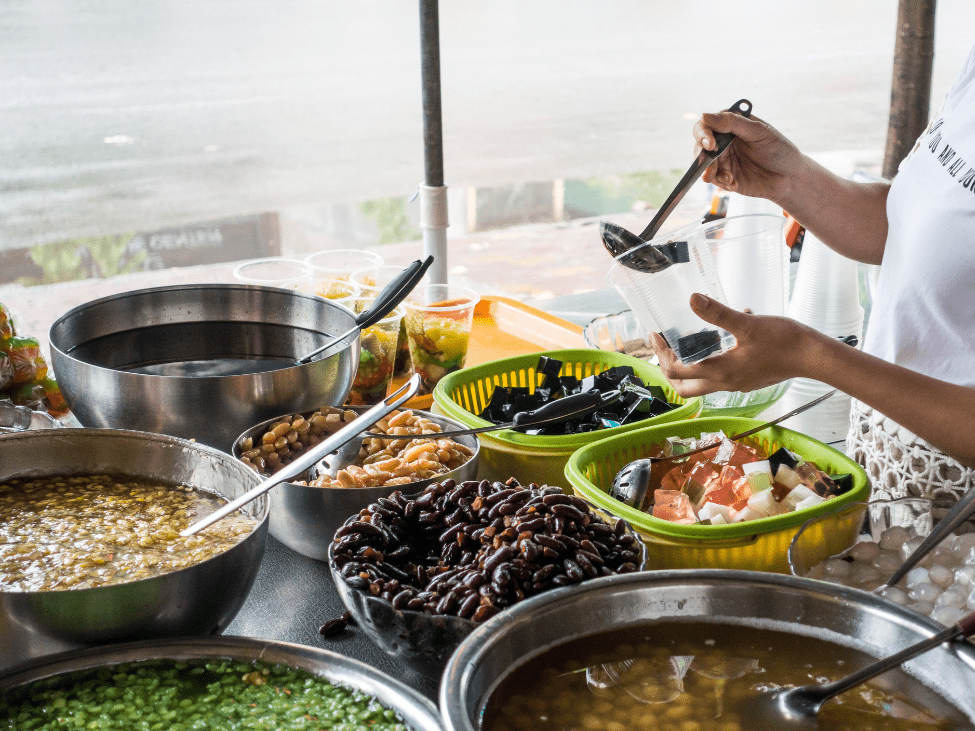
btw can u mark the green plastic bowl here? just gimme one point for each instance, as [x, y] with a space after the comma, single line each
[756, 545]
[464, 394]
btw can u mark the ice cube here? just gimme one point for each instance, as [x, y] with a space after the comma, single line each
[887, 562]
[908, 548]
[971, 599]
[942, 576]
[924, 593]
[763, 466]
[673, 506]
[965, 577]
[947, 615]
[894, 537]
[892, 593]
[916, 576]
[865, 551]
[837, 568]
[865, 577]
[963, 545]
[810, 502]
[922, 607]
[951, 598]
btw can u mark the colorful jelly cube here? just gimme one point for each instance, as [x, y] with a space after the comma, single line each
[702, 477]
[6, 371]
[25, 355]
[736, 454]
[7, 329]
[674, 480]
[53, 398]
[673, 506]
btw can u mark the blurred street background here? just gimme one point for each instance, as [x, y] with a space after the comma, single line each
[141, 137]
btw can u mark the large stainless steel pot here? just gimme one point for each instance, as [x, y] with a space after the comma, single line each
[788, 604]
[175, 360]
[418, 713]
[305, 518]
[200, 600]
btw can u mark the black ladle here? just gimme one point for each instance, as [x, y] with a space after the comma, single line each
[386, 301]
[796, 708]
[632, 482]
[618, 241]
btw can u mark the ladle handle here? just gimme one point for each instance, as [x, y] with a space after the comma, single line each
[724, 139]
[959, 513]
[347, 433]
[965, 627]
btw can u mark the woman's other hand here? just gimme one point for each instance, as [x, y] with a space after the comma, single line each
[768, 350]
[758, 163]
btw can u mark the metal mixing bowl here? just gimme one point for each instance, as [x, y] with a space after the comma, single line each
[201, 599]
[784, 603]
[172, 360]
[418, 713]
[305, 518]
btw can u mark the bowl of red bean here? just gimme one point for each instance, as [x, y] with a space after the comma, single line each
[418, 573]
[306, 512]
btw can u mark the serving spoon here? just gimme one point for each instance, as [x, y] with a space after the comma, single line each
[796, 708]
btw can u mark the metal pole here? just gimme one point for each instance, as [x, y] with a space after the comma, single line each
[433, 192]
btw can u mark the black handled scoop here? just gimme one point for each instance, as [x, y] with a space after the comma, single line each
[385, 302]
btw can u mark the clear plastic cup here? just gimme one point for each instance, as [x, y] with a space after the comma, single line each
[275, 271]
[377, 359]
[342, 263]
[339, 291]
[438, 327]
[371, 282]
[663, 297]
[752, 260]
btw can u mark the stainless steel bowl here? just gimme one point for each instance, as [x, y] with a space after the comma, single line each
[201, 599]
[305, 518]
[173, 360]
[424, 641]
[785, 603]
[418, 713]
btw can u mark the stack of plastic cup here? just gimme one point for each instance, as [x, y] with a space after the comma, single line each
[826, 297]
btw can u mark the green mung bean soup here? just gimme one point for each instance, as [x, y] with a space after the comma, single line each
[81, 531]
[216, 695]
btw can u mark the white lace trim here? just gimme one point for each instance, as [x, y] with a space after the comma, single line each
[901, 464]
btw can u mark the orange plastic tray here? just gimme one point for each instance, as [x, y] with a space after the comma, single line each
[504, 327]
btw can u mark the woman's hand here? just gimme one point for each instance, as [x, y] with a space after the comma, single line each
[769, 350]
[758, 163]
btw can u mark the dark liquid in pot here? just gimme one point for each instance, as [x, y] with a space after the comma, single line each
[679, 676]
[201, 349]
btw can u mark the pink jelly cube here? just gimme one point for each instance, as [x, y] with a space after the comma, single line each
[734, 479]
[736, 454]
[673, 506]
[674, 480]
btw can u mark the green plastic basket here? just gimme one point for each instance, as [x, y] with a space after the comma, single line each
[540, 459]
[758, 545]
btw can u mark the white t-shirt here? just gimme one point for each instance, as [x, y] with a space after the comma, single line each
[923, 315]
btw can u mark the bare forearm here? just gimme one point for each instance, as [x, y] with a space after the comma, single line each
[849, 217]
[941, 413]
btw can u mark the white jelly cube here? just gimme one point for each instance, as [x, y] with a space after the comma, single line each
[709, 510]
[718, 519]
[764, 503]
[787, 477]
[810, 502]
[763, 466]
[796, 495]
[746, 513]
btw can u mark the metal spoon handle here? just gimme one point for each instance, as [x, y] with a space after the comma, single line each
[963, 628]
[959, 513]
[749, 432]
[313, 455]
[697, 168]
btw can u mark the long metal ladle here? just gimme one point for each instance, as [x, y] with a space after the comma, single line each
[313, 455]
[385, 302]
[796, 708]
